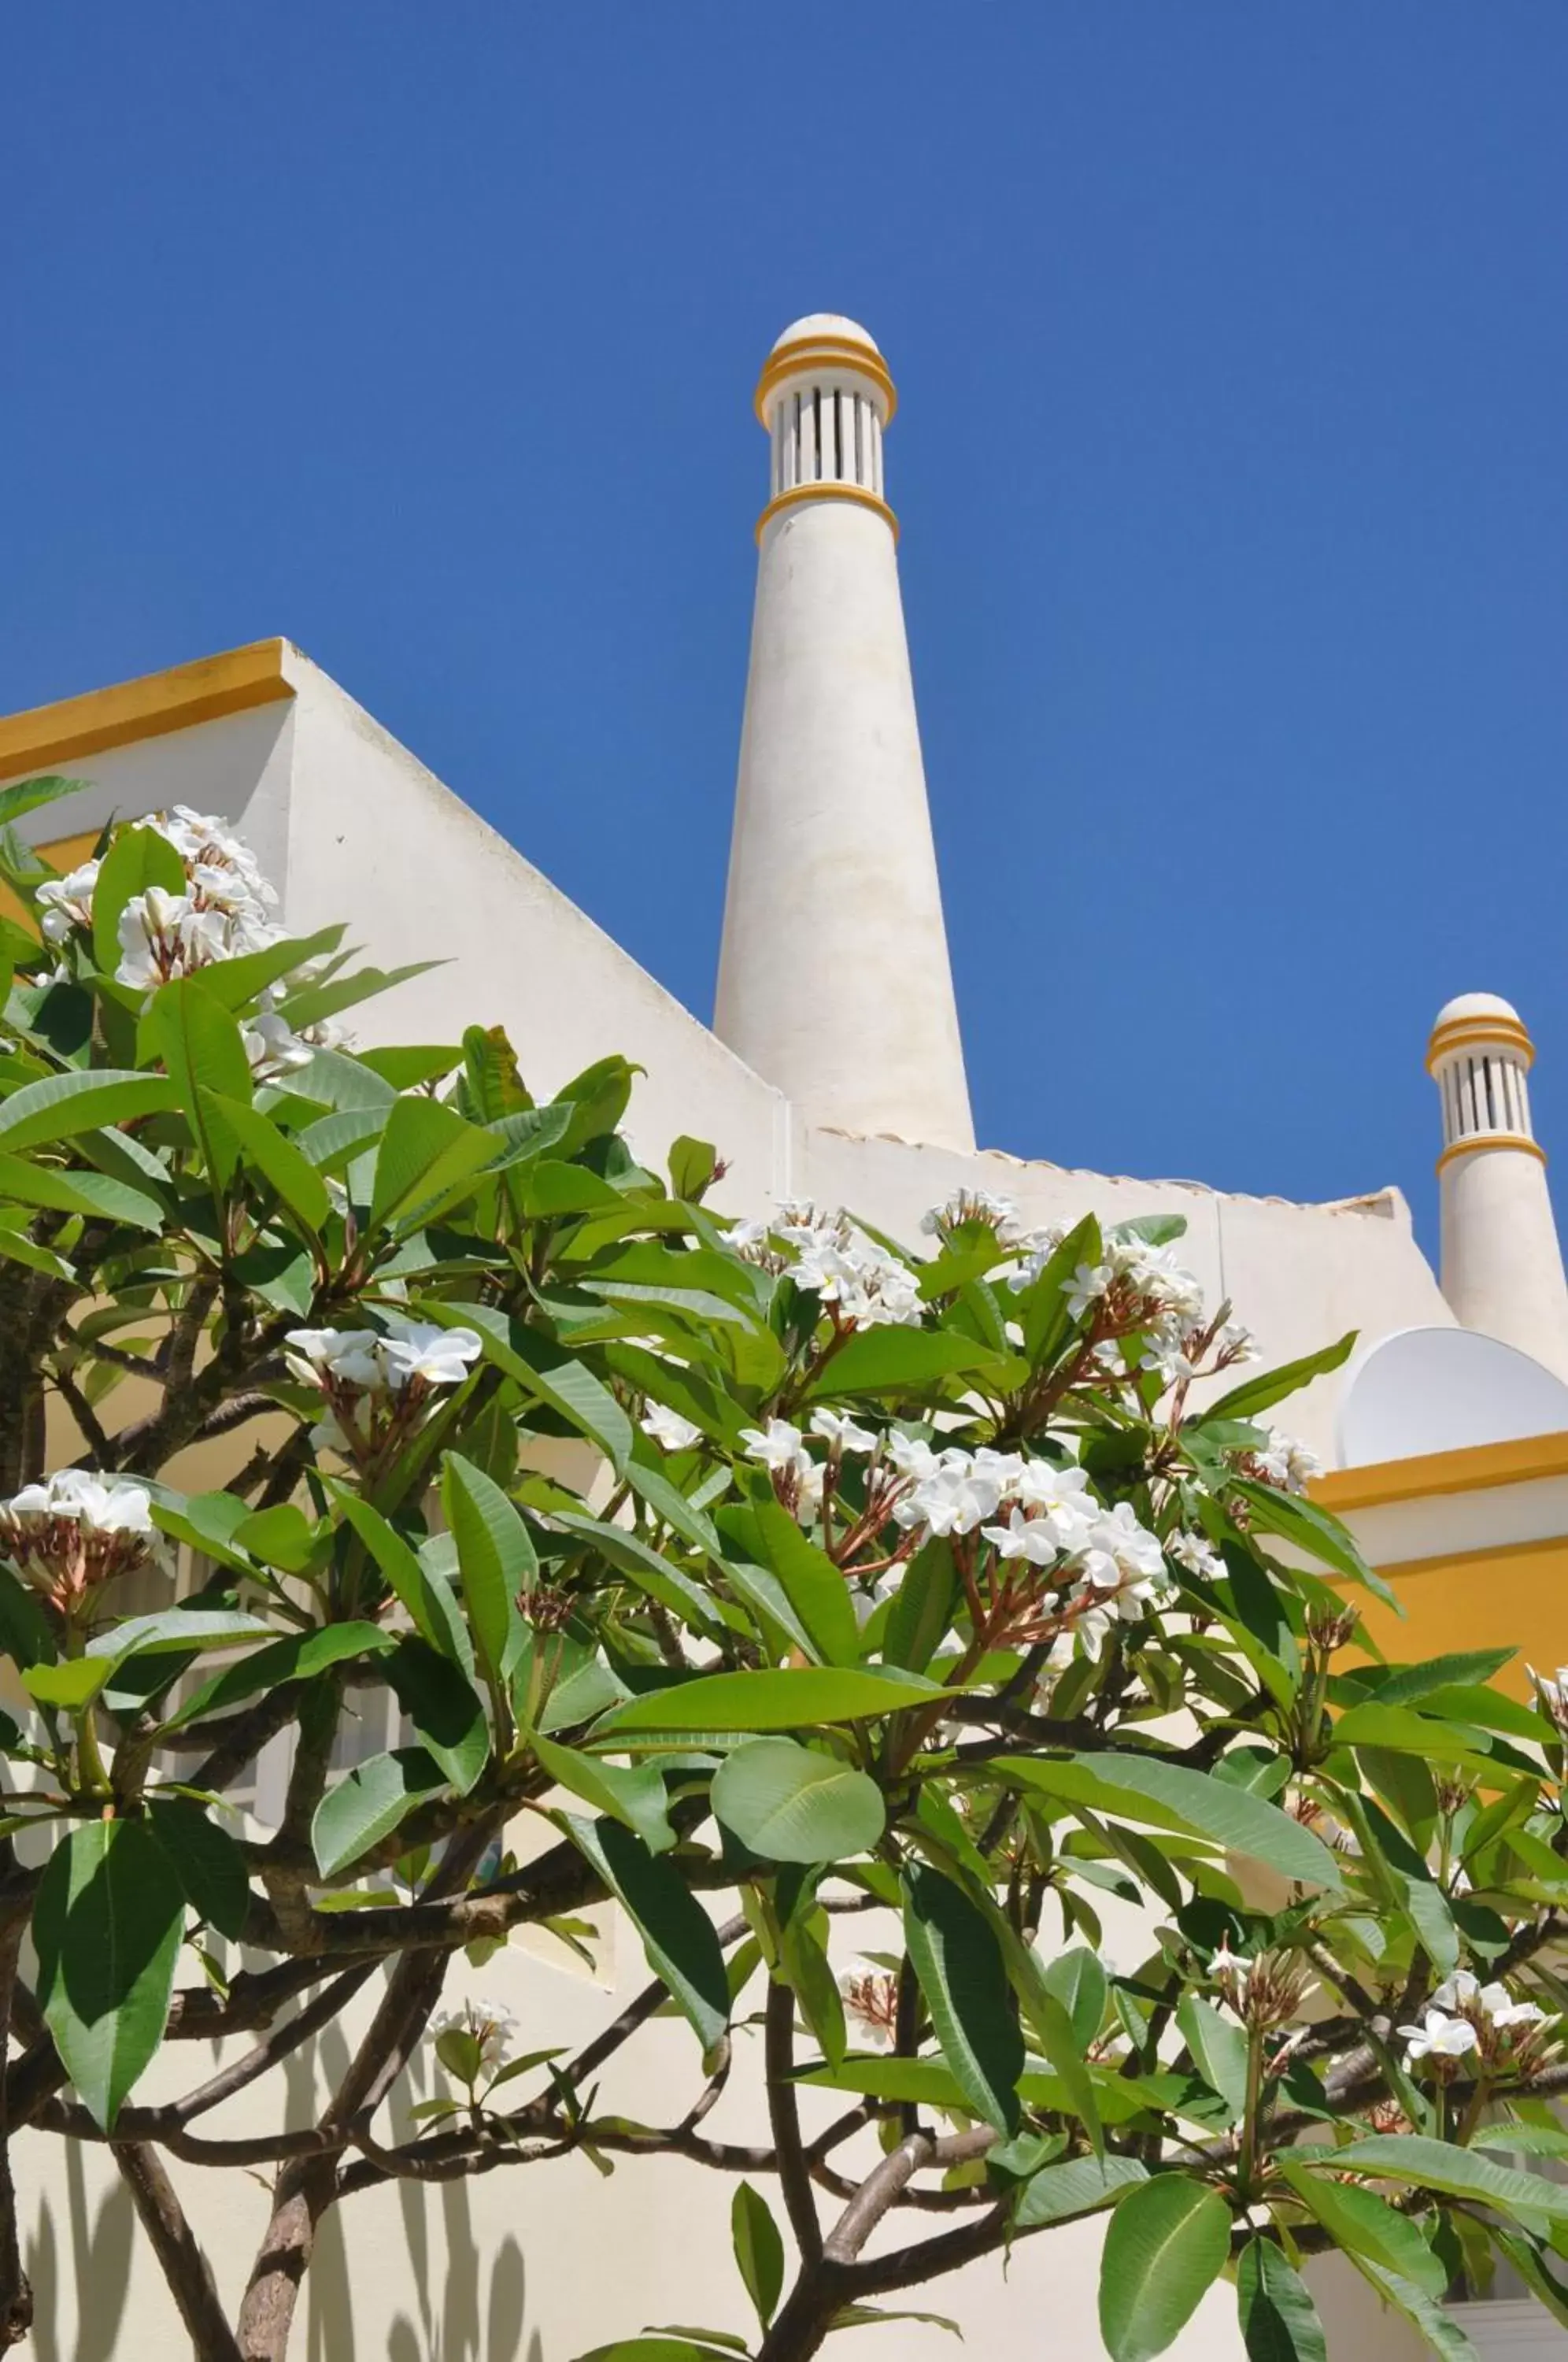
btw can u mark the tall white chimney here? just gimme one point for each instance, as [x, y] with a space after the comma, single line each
[1502, 1264]
[833, 975]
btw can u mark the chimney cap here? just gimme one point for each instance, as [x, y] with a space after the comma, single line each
[1472, 1020]
[817, 327]
[824, 341]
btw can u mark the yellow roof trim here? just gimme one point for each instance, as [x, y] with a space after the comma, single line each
[1477, 1468]
[149, 708]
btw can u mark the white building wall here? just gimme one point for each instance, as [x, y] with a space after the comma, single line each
[536, 2264]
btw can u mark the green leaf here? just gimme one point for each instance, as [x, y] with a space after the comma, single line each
[1077, 1979]
[107, 1924]
[1279, 2320]
[238, 980]
[1270, 1386]
[1435, 2323]
[398, 1563]
[1364, 2225]
[759, 2250]
[1311, 1531]
[444, 1707]
[63, 1105]
[1406, 1684]
[137, 858]
[659, 2351]
[922, 1609]
[789, 1803]
[207, 1862]
[1219, 2048]
[898, 1361]
[292, 1176]
[812, 1584]
[546, 1370]
[678, 1935]
[297, 1658]
[648, 1567]
[200, 1043]
[78, 1193]
[495, 1553]
[963, 1976]
[808, 1970]
[178, 1628]
[1080, 2186]
[1167, 2243]
[427, 1151]
[370, 1802]
[783, 1697]
[25, 1635]
[1461, 2172]
[69, 1685]
[633, 1794]
[27, 795]
[691, 1163]
[1167, 1795]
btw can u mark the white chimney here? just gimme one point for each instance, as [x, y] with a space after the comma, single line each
[1502, 1264]
[833, 975]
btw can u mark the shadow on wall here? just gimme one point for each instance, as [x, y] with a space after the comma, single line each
[89, 2260]
[98, 2260]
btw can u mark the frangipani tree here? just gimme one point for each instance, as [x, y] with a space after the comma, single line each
[859, 1620]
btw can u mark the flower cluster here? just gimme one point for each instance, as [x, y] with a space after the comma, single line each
[1464, 2016]
[1113, 1567]
[376, 1381]
[1552, 1696]
[69, 1535]
[1265, 1992]
[862, 1285]
[998, 1214]
[474, 2044]
[668, 1430]
[781, 1448]
[871, 2000]
[228, 908]
[1280, 1462]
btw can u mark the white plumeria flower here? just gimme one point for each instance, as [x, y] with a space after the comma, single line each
[912, 1456]
[66, 902]
[1134, 1552]
[1025, 1538]
[71, 1533]
[1504, 2013]
[1439, 2036]
[1286, 1464]
[163, 935]
[871, 2000]
[667, 1429]
[1196, 1553]
[100, 1504]
[954, 1497]
[839, 1430]
[973, 1205]
[866, 1598]
[424, 1350]
[778, 1446]
[1552, 1694]
[1086, 1285]
[1457, 1991]
[1061, 1497]
[373, 1361]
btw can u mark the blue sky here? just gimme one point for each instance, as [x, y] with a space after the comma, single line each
[1233, 348]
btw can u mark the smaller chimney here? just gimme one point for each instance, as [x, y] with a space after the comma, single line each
[1502, 1264]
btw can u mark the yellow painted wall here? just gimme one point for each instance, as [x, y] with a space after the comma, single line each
[1514, 1595]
